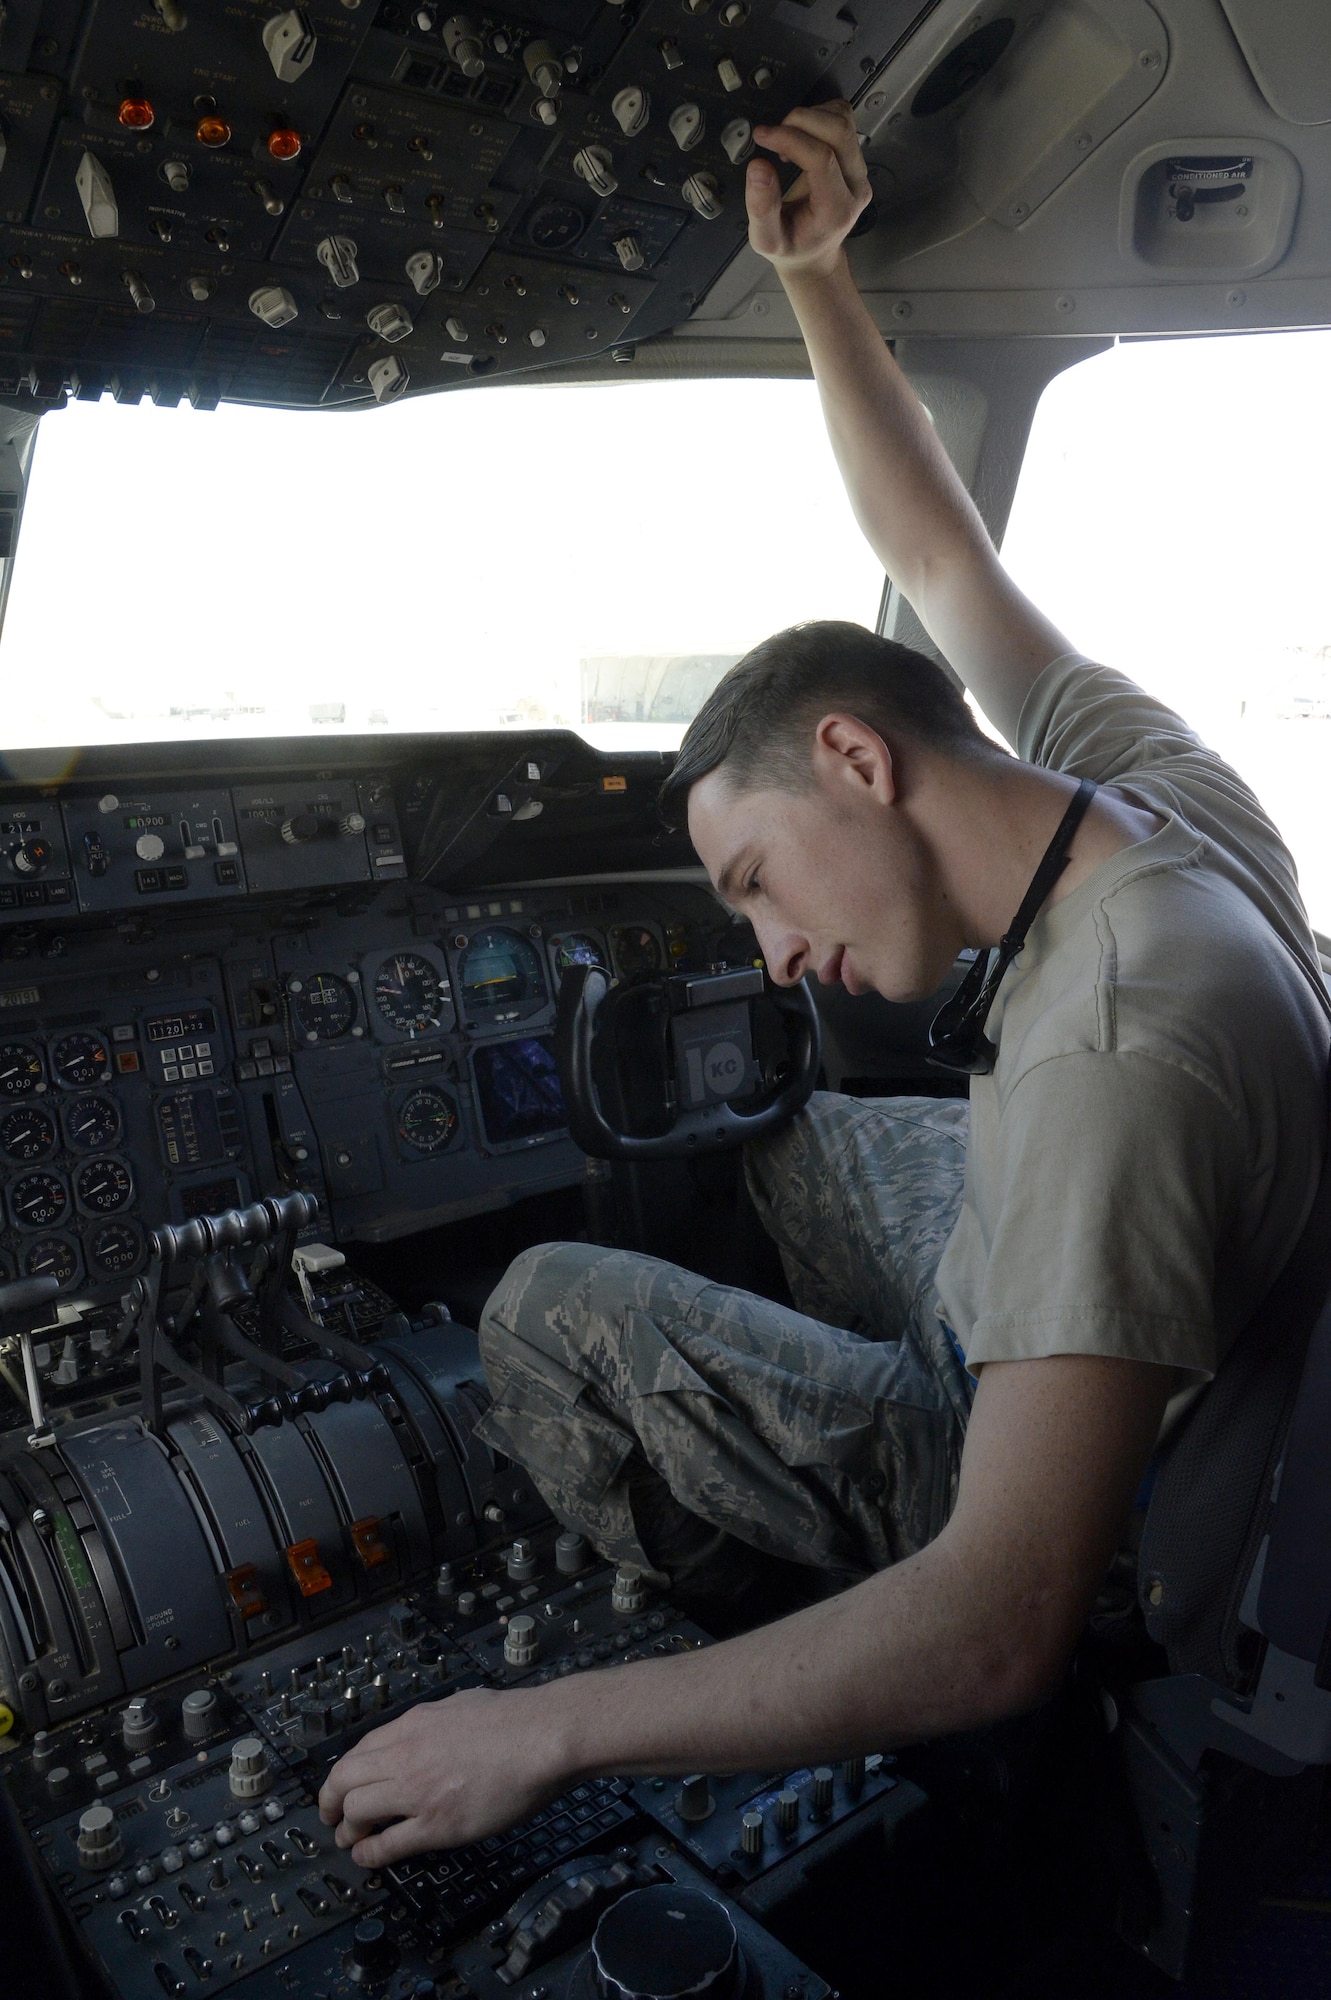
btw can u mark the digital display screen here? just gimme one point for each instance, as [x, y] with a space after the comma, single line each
[517, 1084]
[210, 1197]
[175, 1027]
[137, 822]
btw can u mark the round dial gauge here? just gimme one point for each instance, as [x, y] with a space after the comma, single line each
[323, 1006]
[103, 1186]
[427, 1120]
[502, 976]
[78, 1060]
[27, 1134]
[410, 994]
[578, 948]
[92, 1121]
[52, 1257]
[636, 951]
[37, 1200]
[114, 1248]
[20, 1069]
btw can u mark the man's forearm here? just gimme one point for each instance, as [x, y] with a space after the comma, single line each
[908, 499]
[908, 1654]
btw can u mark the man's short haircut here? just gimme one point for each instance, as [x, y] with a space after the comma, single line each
[758, 721]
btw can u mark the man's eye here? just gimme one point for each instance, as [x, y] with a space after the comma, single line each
[753, 887]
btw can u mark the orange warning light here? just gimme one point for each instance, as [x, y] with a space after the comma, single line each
[137, 113]
[368, 1539]
[212, 130]
[284, 143]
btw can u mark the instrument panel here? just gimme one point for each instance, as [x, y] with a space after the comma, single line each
[316, 1021]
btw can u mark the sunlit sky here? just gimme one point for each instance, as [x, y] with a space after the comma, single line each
[449, 562]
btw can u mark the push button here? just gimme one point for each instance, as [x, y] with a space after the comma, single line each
[31, 894]
[177, 878]
[57, 892]
[227, 873]
[147, 880]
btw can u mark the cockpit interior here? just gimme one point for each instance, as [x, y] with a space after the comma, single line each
[345, 953]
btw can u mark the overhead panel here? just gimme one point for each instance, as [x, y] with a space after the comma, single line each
[1288, 50]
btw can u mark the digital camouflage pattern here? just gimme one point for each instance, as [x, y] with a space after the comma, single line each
[829, 1435]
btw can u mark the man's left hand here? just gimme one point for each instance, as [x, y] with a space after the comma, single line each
[445, 1773]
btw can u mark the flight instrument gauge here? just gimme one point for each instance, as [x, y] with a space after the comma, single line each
[322, 1006]
[27, 1134]
[636, 951]
[20, 1069]
[428, 1120]
[502, 978]
[103, 1186]
[578, 948]
[38, 1200]
[78, 1060]
[52, 1257]
[92, 1121]
[114, 1248]
[410, 993]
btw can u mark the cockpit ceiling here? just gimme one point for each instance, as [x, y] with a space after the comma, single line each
[342, 204]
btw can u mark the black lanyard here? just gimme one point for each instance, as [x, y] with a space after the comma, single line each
[957, 1040]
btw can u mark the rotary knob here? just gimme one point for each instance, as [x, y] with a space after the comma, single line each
[628, 1594]
[31, 857]
[198, 1714]
[788, 1812]
[140, 1725]
[664, 1942]
[521, 1561]
[351, 823]
[251, 1774]
[694, 1801]
[100, 1841]
[751, 1833]
[520, 1642]
[823, 1786]
[300, 828]
[150, 847]
[571, 1553]
[373, 1955]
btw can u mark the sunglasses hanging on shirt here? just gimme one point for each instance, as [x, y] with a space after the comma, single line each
[957, 1040]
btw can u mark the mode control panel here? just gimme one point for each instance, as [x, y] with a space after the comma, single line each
[303, 833]
[34, 860]
[173, 845]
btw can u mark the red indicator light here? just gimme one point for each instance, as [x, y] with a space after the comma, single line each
[212, 131]
[284, 143]
[137, 113]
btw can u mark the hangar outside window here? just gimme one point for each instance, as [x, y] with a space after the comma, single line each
[1172, 519]
[516, 556]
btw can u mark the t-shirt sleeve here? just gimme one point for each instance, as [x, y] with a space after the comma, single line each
[1120, 1174]
[1093, 722]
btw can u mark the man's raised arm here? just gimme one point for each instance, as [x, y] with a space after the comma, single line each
[914, 510]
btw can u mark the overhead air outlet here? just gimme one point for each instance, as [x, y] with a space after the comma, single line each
[963, 67]
[1219, 207]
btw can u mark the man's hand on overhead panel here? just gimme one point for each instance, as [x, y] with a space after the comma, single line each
[805, 229]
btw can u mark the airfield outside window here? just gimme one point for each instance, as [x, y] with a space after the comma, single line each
[1171, 518]
[509, 557]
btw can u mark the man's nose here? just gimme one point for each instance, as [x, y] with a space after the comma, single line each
[786, 954]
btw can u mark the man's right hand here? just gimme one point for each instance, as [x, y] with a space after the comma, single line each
[804, 230]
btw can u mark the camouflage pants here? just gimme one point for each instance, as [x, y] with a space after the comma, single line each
[830, 1436]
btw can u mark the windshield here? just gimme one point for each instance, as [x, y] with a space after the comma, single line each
[1172, 519]
[524, 556]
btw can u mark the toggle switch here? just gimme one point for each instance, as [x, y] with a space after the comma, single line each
[274, 305]
[176, 175]
[388, 377]
[629, 252]
[272, 201]
[687, 126]
[97, 196]
[337, 254]
[395, 201]
[290, 41]
[546, 110]
[631, 108]
[544, 68]
[670, 53]
[462, 39]
[340, 189]
[455, 330]
[737, 140]
[595, 165]
[702, 192]
[728, 75]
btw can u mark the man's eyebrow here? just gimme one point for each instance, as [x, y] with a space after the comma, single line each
[725, 880]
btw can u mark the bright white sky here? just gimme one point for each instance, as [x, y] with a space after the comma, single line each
[448, 562]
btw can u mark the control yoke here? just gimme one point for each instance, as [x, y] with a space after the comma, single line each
[187, 1305]
[712, 1085]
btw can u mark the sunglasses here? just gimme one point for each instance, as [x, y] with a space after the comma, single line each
[957, 1040]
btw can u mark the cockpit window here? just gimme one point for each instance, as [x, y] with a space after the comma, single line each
[1172, 519]
[519, 556]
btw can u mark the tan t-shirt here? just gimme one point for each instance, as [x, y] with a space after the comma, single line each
[1144, 1155]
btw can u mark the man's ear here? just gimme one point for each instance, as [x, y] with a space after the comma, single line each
[848, 752]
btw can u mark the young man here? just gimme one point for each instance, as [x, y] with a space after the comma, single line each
[1141, 1154]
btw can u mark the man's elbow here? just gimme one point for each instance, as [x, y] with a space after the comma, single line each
[1010, 1673]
